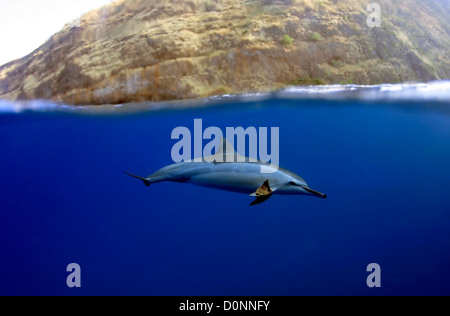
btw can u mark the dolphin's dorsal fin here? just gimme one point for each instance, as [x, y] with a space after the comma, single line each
[263, 193]
[226, 153]
[226, 149]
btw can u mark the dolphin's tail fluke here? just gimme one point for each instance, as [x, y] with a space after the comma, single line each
[145, 180]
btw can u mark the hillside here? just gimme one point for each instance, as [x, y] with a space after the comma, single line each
[139, 50]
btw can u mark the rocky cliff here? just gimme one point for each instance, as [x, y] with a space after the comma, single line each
[139, 50]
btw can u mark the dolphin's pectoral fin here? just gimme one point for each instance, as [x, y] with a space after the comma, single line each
[263, 193]
[260, 199]
[264, 189]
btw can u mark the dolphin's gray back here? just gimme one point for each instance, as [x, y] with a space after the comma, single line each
[179, 172]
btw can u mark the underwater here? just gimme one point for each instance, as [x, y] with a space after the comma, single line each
[380, 153]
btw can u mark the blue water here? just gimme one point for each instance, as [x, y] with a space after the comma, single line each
[385, 169]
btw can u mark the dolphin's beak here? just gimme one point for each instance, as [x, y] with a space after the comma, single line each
[314, 192]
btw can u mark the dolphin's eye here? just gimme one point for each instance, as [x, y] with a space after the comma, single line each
[292, 183]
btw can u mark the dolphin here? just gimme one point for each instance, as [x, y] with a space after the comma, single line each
[242, 177]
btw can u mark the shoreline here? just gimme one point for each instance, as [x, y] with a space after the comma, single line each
[436, 92]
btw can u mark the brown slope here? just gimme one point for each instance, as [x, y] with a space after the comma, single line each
[138, 50]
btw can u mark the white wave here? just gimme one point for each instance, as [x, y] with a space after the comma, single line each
[23, 106]
[433, 91]
[320, 89]
[7, 107]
